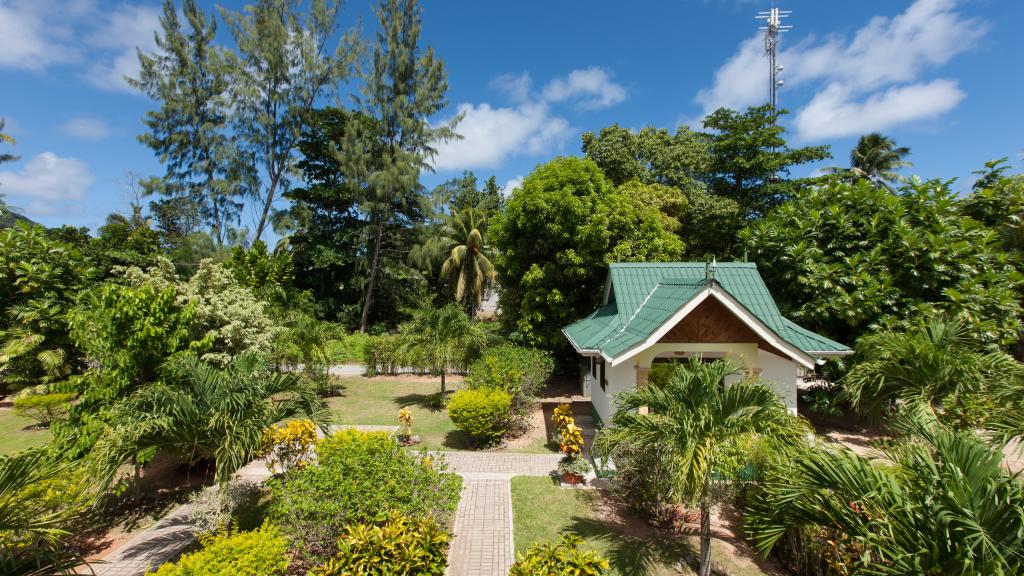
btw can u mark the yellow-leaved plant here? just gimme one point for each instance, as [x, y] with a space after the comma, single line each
[405, 419]
[289, 446]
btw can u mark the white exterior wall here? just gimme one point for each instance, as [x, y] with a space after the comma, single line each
[620, 378]
[780, 374]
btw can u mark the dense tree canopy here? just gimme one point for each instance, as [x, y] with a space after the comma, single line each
[843, 257]
[557, 234]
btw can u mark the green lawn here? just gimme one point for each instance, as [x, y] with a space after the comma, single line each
[377, 401]
[632, 547]
[14, 437]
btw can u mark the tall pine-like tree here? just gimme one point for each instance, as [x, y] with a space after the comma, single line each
[403, 87]
[187, 75]
[283, 66]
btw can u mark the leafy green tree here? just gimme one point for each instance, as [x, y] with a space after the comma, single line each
[652, 155]
[940, 502]
[555, 238]
[258, 269]
[282, 67]
[446, 338]
[846, 256]
[204, 412]
[876, 158]
[403, 87]
[940, 363]
[330, 250]
[997, 201]
[40, 280]
[125, 241]
[750, 158]
[125, 333]
[187, 76]
[692, 419]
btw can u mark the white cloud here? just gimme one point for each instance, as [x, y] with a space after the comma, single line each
[490, 135]
[86, 128]
[124, 32]
[47, 181]
[511, 185]
[830, 114]
[99, 38]
[529, 126]
[515, 86]
[592, 87]
[881, 64]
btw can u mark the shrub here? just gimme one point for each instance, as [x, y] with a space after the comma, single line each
[561, 559]
[213, 509]
[289, 446]
[576, 465]
[263, 551]
[519, 371]
[348, 347]
[359, 477]
[388, 355]
[399, 547]
[44, 408]
[481, 413]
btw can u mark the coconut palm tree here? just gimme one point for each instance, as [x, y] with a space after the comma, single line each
[939, 502]
[203, 412]
[923, 367]
[876, 158]
[467, 270]
[445, 338]
[6, 139]
[689, 418]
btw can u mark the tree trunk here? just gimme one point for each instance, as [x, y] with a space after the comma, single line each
[443, 391]
[705, 538]
[374, 265]
[266, 208]
[218, 228]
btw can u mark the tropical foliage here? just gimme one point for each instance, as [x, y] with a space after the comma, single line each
[401, 546]
[692, 420]
[938, 502]
[565, 557]
[876, 159]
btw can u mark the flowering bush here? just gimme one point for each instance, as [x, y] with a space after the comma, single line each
[289, 446]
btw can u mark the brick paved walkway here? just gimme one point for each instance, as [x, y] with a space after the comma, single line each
[483, 543]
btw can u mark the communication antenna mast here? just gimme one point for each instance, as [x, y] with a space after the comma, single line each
[772, 29]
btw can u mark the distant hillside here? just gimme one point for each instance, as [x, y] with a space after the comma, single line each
[8, 219]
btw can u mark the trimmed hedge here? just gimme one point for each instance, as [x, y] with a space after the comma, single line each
[482, 413]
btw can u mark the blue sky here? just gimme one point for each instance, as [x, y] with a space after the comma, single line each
[940, 76]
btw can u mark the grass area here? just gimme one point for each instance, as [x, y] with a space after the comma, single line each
[14, 436]
[631, 546]
[373, 401]
[377, 401]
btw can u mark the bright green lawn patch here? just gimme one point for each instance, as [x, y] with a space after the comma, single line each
[635, 550]
[13, 436]
[373, 401]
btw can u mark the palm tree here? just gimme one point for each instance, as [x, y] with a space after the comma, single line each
[467, 270]
[445, 338]
[6, 139]
[689, 419]
[876, 158]
[941, 503]
[203, 412]
[30, 536]
[922, 367]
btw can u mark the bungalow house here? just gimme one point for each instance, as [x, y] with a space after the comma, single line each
[657, 312]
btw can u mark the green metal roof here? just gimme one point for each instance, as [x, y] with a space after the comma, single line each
[643, 296]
